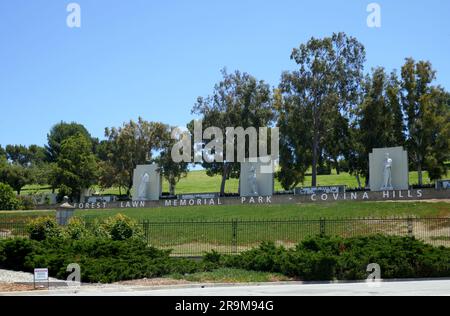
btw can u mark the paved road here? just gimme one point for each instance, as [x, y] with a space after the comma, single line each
[408, 288]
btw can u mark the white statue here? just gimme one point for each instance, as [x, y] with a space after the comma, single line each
[252, 180]
[387, 174]
[143, 187]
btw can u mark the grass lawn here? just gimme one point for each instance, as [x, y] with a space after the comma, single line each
[194, 230]
[199, 182]
[288, 211]
[228, 275]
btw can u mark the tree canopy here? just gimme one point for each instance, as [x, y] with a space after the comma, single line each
[325, 86]
[238, 100]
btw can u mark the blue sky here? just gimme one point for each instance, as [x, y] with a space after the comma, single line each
[154, 58]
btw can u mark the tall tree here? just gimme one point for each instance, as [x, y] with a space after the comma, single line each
[16, 176]
[393, 95]
[337, 142]
[327, 82]
[61, 132]
[133, 144]
[437, 134]
[17, 154]
[239, 100]
[76, 166]
[379, 120]
[25, 156]
[173, 172]
[426, 109]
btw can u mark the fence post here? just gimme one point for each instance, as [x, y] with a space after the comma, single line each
[146, 224]
[410, 227]
[64, 212]
[234, 226]
[322, 226]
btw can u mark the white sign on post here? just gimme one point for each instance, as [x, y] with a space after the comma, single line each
[41, 275]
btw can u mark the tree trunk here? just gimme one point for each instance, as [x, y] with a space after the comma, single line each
[359, 181]
[314, 160]
[130, 185]
[419, 173]
[172, 189]
[224, 179]
[338, 170]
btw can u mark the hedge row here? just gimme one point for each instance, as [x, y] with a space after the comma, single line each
[101, 260]
[114, 250]
[329, 258]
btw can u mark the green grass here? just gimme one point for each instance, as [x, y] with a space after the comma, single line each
[199, 182]
[192, 237]
[229, 275]
[312, 211]
[194, 230]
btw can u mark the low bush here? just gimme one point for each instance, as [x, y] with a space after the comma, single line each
[101, 260]
[43, 228]
[121, 227]
[8, 199]
[76, 229]
[328, 258]
[26, 203]
[315, 259]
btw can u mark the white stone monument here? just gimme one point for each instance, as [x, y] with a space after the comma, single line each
[147, 185]
[255, 181]
[388, 169]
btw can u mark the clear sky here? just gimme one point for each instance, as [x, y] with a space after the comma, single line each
[153, 58]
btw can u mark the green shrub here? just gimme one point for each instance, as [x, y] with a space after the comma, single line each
[14, 253]
[121, 227]
[76, 229]
[213, 257]
[320, 258]
[328, 258]
[26, 203]
[43, 228]
[63, 191]
[8, 200]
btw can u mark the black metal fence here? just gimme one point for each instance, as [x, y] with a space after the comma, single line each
[193, 238]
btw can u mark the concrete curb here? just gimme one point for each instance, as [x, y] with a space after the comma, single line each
[85, 289]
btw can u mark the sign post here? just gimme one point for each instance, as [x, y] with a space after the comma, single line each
[41, 275]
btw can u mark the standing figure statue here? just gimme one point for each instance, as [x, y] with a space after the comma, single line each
[387, 174]
[252, 181]
[143, 187]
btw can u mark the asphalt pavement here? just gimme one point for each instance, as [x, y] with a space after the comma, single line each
[400, 288]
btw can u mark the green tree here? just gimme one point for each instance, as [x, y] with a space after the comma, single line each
[133, 144]
[58, 134]
[379, 120]
[8, 200]
[171, 171]
[110, 177]
[437, 135]
[76, 166]
[36, 155]
[337, 142]
[327, 82]
[16, 176]
[393, 94]
[239, 100]
[427, 113]
[17, 154]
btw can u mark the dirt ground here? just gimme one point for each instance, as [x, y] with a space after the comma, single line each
[153, 282]
[14, 287]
